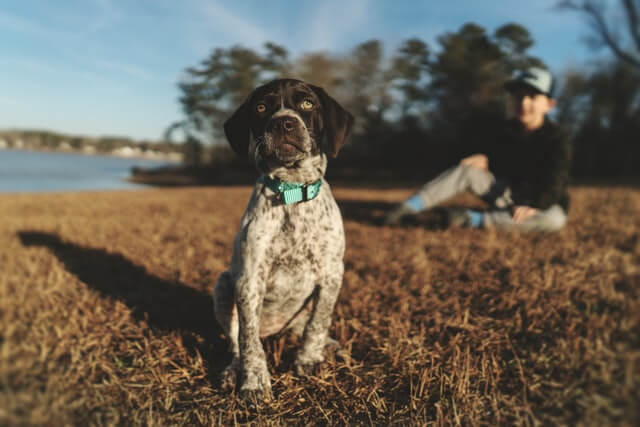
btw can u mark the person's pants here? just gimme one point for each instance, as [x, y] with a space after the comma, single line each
[461, 178]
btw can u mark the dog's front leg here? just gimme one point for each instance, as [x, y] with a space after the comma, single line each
[254, 376]
[316, 332]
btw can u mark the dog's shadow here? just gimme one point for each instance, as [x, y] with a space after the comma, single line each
[163, 304]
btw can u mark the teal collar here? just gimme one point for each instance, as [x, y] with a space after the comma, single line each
[291, 192]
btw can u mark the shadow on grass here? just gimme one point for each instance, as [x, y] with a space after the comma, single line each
[165, 305]
[372, 212]
[369, 212]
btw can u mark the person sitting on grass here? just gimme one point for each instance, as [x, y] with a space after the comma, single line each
[522, 172]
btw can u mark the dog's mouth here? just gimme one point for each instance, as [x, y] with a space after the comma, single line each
[292, 146]
[284, 148]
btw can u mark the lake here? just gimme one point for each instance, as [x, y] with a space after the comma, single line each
[32, 171]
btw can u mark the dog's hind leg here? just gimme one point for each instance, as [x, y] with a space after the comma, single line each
[227, 316]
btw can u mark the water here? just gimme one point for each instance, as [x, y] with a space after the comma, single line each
[29, 171]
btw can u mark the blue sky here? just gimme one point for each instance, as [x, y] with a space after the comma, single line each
[110, 67]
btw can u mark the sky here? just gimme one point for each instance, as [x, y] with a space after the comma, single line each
[111, 67]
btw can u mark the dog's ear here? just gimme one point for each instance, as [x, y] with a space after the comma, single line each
[337, 121]
[236, 128]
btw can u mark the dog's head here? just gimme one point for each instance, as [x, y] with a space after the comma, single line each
[286, 121]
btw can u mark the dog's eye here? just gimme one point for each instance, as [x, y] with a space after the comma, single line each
[261, 107]
[306, 105]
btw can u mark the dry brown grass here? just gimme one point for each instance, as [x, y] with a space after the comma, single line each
[105, 316]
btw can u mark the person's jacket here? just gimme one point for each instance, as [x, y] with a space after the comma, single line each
[535, 165]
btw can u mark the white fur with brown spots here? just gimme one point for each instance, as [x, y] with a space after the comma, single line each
[287, 263]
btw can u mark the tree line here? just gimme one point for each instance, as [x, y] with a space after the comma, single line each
[414, 108]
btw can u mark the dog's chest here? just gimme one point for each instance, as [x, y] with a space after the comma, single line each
[307, 238]
[296, 245]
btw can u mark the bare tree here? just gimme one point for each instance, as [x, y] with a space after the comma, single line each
[606, 32]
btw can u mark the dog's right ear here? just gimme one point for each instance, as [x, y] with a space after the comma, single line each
[338, 121]
[236, 128]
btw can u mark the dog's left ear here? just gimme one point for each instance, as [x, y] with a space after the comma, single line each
[337, 121]
[236, 128]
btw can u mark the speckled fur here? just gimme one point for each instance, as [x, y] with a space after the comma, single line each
[287, 263]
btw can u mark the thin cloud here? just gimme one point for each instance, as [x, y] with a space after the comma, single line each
[56, 71]
[11, 101]
[31, 65]
[129, 69]
[240, 30]
[70, 43]
[108, 14]
[21, 25]
[333, 19]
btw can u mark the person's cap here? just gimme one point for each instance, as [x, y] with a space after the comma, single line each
[535, 77]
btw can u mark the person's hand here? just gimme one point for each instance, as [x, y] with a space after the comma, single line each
[478, 161]
[521, 213]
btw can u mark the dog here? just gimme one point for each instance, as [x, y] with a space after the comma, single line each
[287, 263]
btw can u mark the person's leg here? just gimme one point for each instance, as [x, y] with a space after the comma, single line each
[551, 219]
[451, 182]
[446, 185]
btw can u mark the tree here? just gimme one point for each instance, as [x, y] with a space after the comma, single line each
[409, 72]
[470, 70]
[606, 28]
[573, 101]
[222, 82]
[365, 86]
[603, 111]
[403, 104]
[320, 69]
[465, 71]
[514, 40]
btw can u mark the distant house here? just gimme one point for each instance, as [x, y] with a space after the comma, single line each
[3, 144]
[175, 157]
[127, 152]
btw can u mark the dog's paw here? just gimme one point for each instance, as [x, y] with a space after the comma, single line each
[309, 364]
[308, 369]
[228, 378]
[333, 350]
[256, 384]
[255, 398]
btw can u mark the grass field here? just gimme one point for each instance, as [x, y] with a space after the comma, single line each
[105, 316]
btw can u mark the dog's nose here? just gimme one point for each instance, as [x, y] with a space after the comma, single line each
[287, 125]
[284, 124]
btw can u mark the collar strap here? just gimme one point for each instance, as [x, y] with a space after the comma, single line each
[292, 192]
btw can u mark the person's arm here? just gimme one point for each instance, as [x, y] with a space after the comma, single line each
[482, 137]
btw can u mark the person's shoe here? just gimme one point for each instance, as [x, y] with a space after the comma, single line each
[465, 218]
[397, 215]
[457, 217]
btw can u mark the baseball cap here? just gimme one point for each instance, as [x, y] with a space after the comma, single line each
[535, 77]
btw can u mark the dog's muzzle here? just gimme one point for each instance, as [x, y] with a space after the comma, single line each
[286, 139]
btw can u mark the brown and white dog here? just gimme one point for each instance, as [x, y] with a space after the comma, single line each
[287, 263]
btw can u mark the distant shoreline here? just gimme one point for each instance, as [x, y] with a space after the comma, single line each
[174, 160]
[47, 141]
